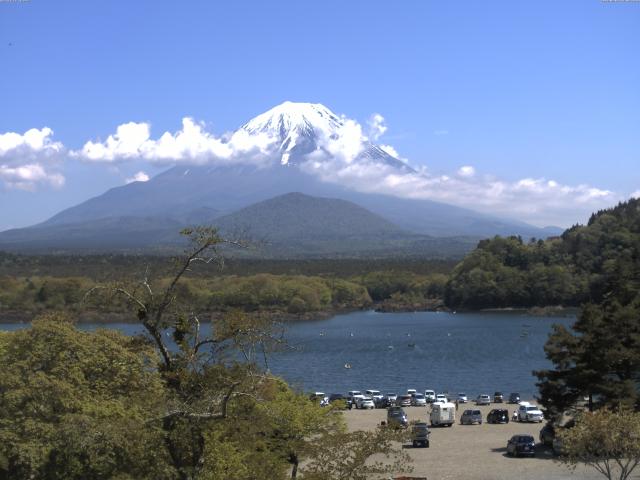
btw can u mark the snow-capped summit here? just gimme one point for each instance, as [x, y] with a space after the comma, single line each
[297, 126]
[301, 128]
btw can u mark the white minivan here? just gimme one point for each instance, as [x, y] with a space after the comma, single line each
[430, 396]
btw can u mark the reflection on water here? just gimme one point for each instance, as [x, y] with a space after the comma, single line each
[472, 352]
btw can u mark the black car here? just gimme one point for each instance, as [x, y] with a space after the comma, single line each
[520, 445]
[336, 397]
[498, 415]
[397, 417]
[547, 434]
[420, 435]
[498, 397]
[514, 397]
[382, 402]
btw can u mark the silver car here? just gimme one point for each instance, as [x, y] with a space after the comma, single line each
[469, 417]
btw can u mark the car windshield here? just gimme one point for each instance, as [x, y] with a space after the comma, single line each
[530, 409]
[418, 396]
[462, 394]
[525, 439]
[467, 412]
[477, 412]
[391, 394]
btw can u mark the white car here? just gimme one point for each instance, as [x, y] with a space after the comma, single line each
[441, 398]
[411, 391]
[374, 394]
[353, 396]
[365, 402]
[418, 400]
[430, 396]
[462, 398]
[529, 413]
[483, 400]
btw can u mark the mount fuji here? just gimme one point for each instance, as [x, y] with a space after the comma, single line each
[302, 139]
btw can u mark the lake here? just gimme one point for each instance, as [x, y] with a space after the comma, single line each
[465, 352]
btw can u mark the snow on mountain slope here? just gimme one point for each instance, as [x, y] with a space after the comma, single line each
[304, 130]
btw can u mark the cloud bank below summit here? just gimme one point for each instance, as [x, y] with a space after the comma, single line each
[32, 160]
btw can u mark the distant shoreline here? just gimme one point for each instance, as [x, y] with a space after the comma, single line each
[15, 317]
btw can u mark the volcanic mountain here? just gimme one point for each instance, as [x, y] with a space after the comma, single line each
[305, 141]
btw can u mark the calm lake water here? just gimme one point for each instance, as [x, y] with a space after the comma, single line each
[469, 352]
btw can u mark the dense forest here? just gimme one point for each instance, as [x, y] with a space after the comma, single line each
[22, 297]
[584, 264]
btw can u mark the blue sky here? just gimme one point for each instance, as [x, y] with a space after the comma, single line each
[518, 90]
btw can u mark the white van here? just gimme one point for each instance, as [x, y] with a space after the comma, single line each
[443, 414]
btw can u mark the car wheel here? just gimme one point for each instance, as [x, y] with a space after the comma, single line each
[426, 445]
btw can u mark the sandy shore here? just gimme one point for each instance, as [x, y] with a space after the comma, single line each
[475, 452]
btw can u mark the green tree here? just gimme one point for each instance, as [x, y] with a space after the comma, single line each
[600, 360]
[76, 405]
[607, 441]
[345, 455]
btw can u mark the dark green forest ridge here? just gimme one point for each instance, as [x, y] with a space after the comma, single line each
[581, 265]
[584, 264]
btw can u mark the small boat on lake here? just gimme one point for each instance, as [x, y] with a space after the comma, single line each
[347, 365]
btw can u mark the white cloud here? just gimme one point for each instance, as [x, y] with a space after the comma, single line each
[466, 171]
[536, 200]
[28, 160]
[28, 177]
[192, 144]
[635, 194]
[138, 177]
[25, 162]
[377, 126]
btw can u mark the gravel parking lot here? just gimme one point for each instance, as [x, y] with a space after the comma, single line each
[474, 451]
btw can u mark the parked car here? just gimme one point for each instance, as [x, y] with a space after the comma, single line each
[521, 445]
[418, 400]
[420, 435]
[352, 398]
[319, 397]
[442, 398]
[430, 396]
[529, 413]
[334, 397]
[337, 397]
[462, 398]
[498, 415]
[547, 435]
[469, 417]
[382, 402]
[373, 394]
[392, 397]
[411, 391]
[365, 402]
[514, 398]
[483, 399]
[557, 446]
[404, 401]
[396, 416]
[498, 397]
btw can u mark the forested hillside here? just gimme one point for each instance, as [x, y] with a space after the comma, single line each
[586, 263]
